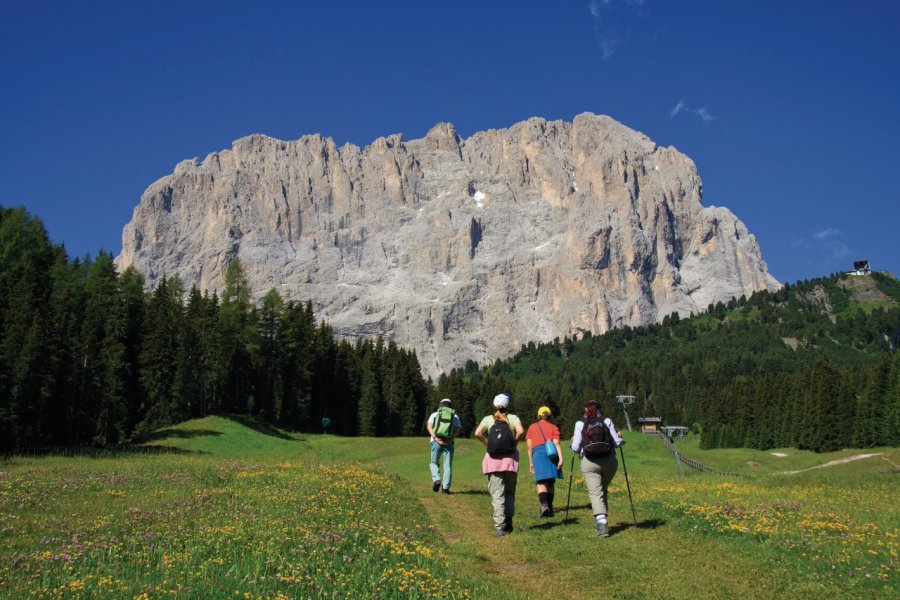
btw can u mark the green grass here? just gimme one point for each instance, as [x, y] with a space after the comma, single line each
[216, 509]
[222, 508]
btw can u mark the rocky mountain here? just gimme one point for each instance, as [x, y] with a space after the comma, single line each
[460, 249]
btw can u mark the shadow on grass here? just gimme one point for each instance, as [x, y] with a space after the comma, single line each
[471, 492]
[182, 434]
[614, 530]
[114, 452]
[553, 524]
[646, 524]
[258, 426]
[560, 510]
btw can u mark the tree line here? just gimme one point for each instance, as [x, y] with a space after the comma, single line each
[806, 366]
[88, 357]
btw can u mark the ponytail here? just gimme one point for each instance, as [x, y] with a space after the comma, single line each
[591, 411]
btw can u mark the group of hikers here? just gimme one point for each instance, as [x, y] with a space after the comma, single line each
[594, 440]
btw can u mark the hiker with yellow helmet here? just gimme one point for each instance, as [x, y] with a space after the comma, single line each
[545, 457]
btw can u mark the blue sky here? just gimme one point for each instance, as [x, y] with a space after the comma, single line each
[789, 109]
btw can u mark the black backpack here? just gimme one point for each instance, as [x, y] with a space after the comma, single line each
[596, 439]
[500, 439]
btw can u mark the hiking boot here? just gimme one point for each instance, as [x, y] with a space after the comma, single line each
[446, 490]
[602, 529]
[500, 533]
[546, 511]
[435, 486]
[507, 526]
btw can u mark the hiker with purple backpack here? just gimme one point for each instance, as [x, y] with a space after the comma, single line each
[595, 440]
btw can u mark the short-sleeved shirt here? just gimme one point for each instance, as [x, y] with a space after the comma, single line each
[489, 420]
[509, 462]
[534, 437]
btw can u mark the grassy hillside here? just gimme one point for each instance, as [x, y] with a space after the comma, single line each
[220, 508]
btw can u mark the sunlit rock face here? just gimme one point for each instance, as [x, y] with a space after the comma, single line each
[459, 249]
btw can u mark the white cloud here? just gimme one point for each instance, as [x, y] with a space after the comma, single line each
[682, 107]
[608, 44]
[838, 249]
[705, 115]
[826, 233]
[609, 22]
[825, 246]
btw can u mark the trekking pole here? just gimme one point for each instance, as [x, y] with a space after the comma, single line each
[569, 496]
[630, 499]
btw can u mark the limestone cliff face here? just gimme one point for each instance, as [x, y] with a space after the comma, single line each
[459, 249]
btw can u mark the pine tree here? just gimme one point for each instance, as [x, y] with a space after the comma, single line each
[159, 356]
[870, 413]
[237, 333]
[298, 331]
[370, 392]
[890, 430]
[134, 300]
[25, 260]
[100, 409]
[189, 386]
[270, 342]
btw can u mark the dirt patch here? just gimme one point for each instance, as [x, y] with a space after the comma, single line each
[840, 461]
[863, 288]
[497, 553]
[791, 343]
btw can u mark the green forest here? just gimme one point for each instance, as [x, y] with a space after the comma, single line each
[89, 357]
[812, 366]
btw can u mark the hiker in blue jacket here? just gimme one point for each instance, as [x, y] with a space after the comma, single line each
[443, 427]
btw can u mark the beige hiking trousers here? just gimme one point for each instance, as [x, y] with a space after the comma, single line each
[502, 487]
[598, 472]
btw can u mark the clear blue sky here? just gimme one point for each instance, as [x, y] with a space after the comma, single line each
[789, 109]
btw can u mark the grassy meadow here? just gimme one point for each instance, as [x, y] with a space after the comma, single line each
[222, 508]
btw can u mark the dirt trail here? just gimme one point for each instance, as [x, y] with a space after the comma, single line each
[459, 511]
[840, 461]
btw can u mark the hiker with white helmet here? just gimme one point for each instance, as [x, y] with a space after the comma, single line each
[500, 432]
[443, 427]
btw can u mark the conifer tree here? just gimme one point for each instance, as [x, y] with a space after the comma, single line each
[237, 332]
[270, 335]
[871, 410]
[370, 392]
[189, 386]
[159, 355]
[25, 260]
[134, 301]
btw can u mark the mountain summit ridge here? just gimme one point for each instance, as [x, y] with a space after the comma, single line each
[462, 249]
